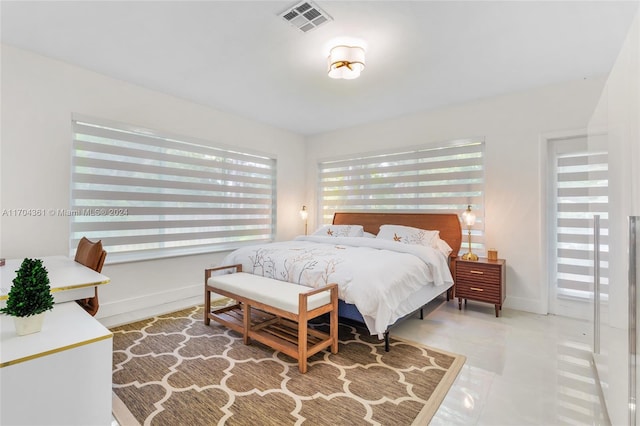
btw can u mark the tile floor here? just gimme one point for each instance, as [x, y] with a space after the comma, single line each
[521, 368]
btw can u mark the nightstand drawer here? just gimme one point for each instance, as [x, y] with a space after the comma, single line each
[478, 291]
[466, 272]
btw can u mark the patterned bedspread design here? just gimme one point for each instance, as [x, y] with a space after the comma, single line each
[376, 276]
[310, 266]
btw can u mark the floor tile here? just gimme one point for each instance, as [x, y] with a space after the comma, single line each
[521, 368]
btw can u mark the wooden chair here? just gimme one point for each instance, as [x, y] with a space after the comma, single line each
[91, 255]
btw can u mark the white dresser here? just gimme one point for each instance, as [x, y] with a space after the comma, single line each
[59, 376]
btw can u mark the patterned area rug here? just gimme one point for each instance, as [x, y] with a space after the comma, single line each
[174, 370]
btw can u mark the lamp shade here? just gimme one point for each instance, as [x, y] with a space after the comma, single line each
[346, 62]
[304, 214]
[468, 217]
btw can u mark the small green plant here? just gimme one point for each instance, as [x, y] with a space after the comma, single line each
[30, 293]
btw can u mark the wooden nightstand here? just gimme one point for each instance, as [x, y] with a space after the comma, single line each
[483, 280]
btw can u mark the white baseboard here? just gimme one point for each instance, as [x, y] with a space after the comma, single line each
[113, 314]
[526, 305]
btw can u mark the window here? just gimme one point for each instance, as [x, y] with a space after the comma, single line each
[580, 191]
[146, 195]
[431, 179]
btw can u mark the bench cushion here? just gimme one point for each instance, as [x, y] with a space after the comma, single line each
[279, 294]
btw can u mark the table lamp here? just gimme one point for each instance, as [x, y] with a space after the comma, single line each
[304, 214]
[469, 219]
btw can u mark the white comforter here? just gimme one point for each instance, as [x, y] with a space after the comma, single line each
[375, 275]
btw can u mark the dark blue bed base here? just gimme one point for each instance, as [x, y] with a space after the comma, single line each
[350, 312]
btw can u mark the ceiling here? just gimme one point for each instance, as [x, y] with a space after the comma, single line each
[241, 57]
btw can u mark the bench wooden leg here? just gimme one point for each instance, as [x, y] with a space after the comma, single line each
[333, 322]
[302, 346]
[302, 334]
[207, 305]
[246, 312]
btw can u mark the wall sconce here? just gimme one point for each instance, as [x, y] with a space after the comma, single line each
[469, 219]
[304, 215]
[346, 62]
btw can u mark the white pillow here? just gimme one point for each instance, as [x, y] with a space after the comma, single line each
[408, 235]
[369, 235]
[442, 246]
[340, 231]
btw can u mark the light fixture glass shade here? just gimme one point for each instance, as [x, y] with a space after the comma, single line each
[304, 214]
[346, 62]
[468, 217]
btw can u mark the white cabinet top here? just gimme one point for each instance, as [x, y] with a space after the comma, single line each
[65, 327]
[65, 274]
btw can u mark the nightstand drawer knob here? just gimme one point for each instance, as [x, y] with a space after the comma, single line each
[477, 272]
[476, 289]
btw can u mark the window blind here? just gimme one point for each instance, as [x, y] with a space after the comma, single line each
[430, 179]
[581, 192]
[146, 195]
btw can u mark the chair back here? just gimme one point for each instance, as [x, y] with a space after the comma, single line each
[91, 254]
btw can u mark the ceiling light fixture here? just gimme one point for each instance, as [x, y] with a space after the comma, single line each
[346, 62]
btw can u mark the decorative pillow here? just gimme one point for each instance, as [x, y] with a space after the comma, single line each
[340, 231]
[408, 235]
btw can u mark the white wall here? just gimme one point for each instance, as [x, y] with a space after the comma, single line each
[512, 126]
[618, 115]
[38, 97]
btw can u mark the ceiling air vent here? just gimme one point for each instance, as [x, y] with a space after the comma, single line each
[305, 16]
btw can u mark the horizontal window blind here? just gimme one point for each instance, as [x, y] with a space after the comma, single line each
[150, 196]
[581, 192]
[430, 179]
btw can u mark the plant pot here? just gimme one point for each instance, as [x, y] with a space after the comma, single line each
[28, 325]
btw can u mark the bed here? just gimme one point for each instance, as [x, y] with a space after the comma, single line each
[380, 281]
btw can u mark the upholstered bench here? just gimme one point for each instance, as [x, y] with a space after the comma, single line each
[281, 313]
